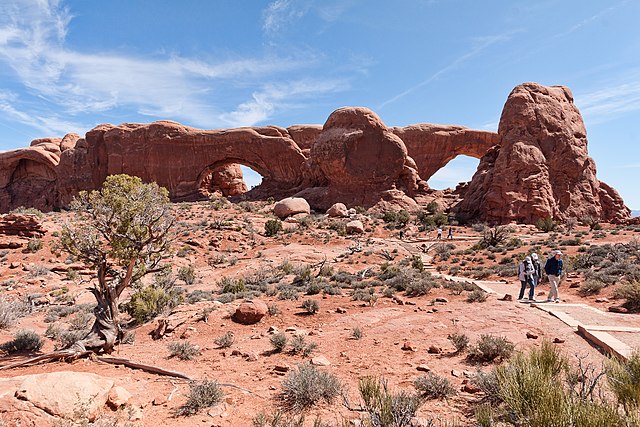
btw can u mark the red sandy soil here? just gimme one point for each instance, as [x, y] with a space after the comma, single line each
[386, 325]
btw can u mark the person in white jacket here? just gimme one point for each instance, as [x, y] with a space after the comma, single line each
[526, 275]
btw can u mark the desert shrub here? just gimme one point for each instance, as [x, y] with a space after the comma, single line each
[232, 286]
[272, 227]
[624, 379]
[489, 348]
[417, 263]
[495, 236]
[199, 295]
[278, 341]
[432, 386]
[149, 302]
[202, 394]
[459, 341]
[183, 350]
[28, 211]
[37, 270]
[477, 296]
[546, 224]
[311, 306]
[487, 382]
[591, 287]
[456, 288]
[299, 345]
[280, 419]
[288, 293]
[630, 292]
[226, 340]
[10, 312]
[385, 408]
[420, 286]
[187, 274]
[23, 341]
[34, 245]
[365, 295]
[356, 333]
[592, 222]
[307, 385]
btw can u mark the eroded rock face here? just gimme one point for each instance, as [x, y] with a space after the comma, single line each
[541, 167]
[535, 166]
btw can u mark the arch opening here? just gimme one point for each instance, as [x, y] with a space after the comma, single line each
[458, 170]
[227, 179]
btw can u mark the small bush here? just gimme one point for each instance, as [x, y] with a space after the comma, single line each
[385, 408]
[624, 379]
[477, 296]
[232, 286]
[489, 348]
[10, 312]
[306, 386]
[591, 287]
[433, 386]
[149, 302]
[460, 341]
[356, 333]
[546, 224]
[23, 341]
[279, 342]
[202, 394]
[311, 306]
[183, 350]
[226, 340]
[272, 227]
[299, 345]
[630, 292]
[187, 274]
[34, 245]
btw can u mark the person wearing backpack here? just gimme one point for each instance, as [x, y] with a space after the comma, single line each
[553, 268]
[537, 269]
[526, 275]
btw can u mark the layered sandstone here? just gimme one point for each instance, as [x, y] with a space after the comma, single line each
[541, 167]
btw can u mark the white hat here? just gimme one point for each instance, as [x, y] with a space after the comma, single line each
[534, 256]
[527, 258]
[557, 252]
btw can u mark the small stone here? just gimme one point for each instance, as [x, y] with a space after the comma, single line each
[506, 297]
[456, 373]
[532, 335]
[282, 368]
[159, 400]
[272, 330]
[118, 396]
[618, 309]
[557, 340]
[441, 299]
[602, 299]
[470, 388]
[423, 368]
[291, 329]
[236, 352]
[341, 310]
[250, 356]
[320, 361]
[407, 346]
[434, 350]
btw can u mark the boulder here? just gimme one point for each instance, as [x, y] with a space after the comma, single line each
[355, 227]
[21, 225]
[338, 210]
[291, 206]
[61, 393]
[250, 312]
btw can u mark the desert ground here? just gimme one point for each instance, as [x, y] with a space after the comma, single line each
[385, 306]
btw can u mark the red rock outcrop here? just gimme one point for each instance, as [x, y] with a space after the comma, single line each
[21, 225]
[541, 167]
[535, 166]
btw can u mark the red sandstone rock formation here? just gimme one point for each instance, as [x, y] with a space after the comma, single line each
[541, 168]
[21, 225]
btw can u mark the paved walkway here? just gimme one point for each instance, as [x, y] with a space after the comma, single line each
[617, 334]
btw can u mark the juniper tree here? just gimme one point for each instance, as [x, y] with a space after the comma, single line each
[121, 231]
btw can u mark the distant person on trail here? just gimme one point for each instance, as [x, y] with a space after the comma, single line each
[526, 276]
[553, 268]
[537, 269]
[439, 236]
[450, 235]
[401, 234]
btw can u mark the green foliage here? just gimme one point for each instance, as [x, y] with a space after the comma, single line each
[34, 245]
[546, 224]
[278, 342]
[624, 379]
[226, 340]
[630, 292]
[299, 345]
[477, 296]
[149, 302]
[272, 227]
[432, 207]
[460, 341]
[356, 333]
[183, 350]
[591, 287]
[234, 286]
[385, 408]
[417, 263]
[489, 348]
[202, 394]
[432, 386]
[23, 340]
[187, 274]
[28, 211]
[306, 386]
[311, 306]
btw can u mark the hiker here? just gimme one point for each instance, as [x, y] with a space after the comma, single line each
[450, 235]
[401, 234]
[525, 274]
[537, 269]
[439, 237]
[553, 268]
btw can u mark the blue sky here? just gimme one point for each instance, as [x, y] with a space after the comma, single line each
[67, 66]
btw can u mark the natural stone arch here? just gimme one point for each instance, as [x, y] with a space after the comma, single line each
[455, 164]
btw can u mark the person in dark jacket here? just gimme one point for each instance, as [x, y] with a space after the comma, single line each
[526, 276]
[553, 268]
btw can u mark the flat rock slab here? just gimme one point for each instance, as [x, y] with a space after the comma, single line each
[63, 394]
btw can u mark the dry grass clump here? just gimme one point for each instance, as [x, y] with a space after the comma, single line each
[490, 348]
[202, 394]
[433, 386]
[385, 408]
[183, 350]
[306, 386]
[23, 341]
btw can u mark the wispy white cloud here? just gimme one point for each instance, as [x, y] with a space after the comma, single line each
[585, 22]
[73, 83]
[478, 45]
[272, 97]
[611, 99]
[280, 14]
